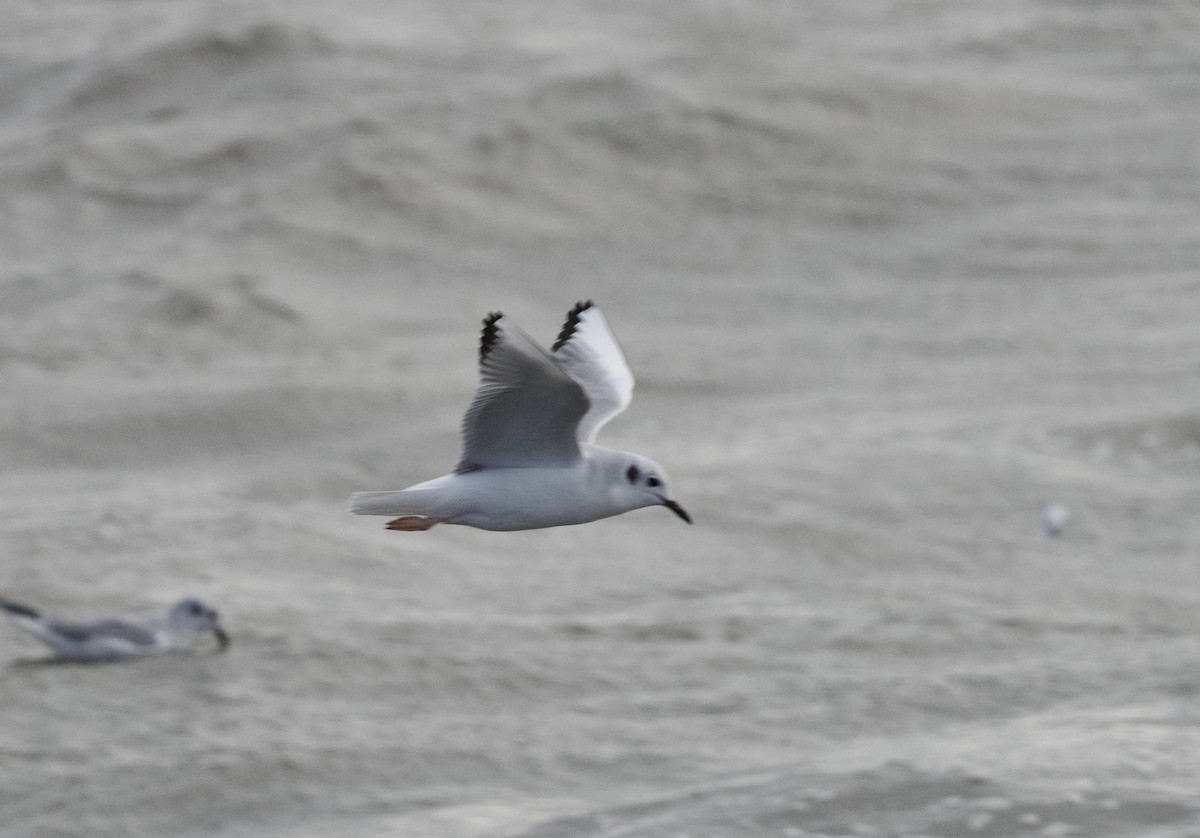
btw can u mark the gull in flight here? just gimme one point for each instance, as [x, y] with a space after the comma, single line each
[529, 457]
[122, 637]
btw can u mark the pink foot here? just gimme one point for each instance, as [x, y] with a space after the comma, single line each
[413, 523]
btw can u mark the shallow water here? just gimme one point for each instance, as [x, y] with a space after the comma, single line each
[892, 277]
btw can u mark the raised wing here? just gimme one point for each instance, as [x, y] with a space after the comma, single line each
[589, 352]
[527, 408]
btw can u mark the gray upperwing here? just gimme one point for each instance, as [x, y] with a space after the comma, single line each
[527, 407]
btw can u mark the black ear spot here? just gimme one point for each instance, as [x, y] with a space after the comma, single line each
[632, 474]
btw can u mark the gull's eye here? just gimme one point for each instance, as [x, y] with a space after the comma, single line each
[196, 608]
[631, 474]
[653, 482]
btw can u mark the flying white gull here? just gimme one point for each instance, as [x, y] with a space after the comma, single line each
[528, 453]
[122, 637]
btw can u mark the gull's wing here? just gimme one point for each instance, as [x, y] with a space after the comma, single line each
[589, 352]
[67, 637]
[103, 631]
[527, 408]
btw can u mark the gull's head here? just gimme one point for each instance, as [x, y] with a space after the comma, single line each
[642, 482]
[195, 616]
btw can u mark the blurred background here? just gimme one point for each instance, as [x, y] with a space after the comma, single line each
[894, 277]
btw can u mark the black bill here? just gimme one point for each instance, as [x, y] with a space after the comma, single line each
[678, 510]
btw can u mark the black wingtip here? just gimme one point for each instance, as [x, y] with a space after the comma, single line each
[17, 609]
[572, 323]
[491, 333]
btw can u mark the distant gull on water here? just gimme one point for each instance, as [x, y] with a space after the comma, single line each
[528, 454]
[1054, 518]
[121, 637]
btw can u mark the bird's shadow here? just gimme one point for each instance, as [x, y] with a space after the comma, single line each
[68, 661]
[56, 660]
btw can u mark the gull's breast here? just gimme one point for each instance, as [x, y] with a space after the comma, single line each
[530, 498]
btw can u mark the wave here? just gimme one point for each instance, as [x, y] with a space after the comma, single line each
[1164, 441]
[186, 68]
[138, 318]
[894, 799]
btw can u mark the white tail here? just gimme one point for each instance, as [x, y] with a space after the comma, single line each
[405, 502]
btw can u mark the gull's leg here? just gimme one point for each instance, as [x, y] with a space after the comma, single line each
[414, 523]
